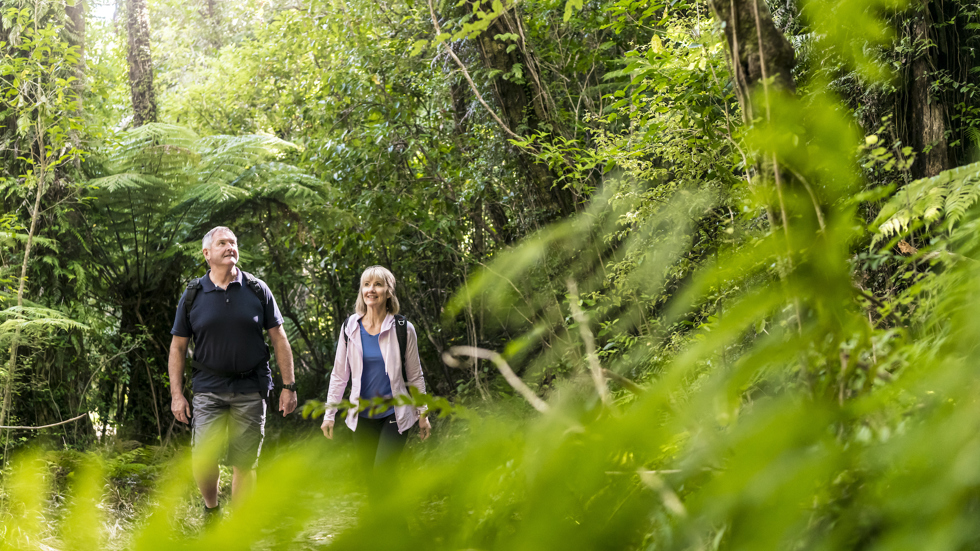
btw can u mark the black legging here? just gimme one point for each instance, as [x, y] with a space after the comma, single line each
[378, 442]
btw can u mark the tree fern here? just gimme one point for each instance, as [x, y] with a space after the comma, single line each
[161, 186]
[161, 163]
[33, 322]
[945, 197]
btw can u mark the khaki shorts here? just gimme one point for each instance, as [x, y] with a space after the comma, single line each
[238, 417]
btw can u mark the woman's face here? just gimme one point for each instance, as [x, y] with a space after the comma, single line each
[374, 292]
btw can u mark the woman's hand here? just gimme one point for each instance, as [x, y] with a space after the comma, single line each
[424, 427]
[327, 428]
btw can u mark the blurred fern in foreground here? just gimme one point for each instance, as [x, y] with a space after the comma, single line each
[778, 405]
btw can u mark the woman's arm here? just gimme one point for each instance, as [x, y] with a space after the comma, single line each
[338, 379]
[413, 364]
[413, 369]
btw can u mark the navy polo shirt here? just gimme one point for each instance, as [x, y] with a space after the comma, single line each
[228, 327]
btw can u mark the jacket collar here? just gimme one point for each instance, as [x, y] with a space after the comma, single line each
[351, 326]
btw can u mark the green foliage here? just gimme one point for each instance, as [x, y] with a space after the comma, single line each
[33, 322]
[850, 32]
[787, 398]
[945, 197]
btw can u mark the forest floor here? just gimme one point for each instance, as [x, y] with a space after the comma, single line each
[134, 476]
[124, 520]
[139, 483]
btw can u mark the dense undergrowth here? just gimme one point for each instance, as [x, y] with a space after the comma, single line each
[754, 331]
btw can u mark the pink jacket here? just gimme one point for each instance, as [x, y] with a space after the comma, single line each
[349, 363]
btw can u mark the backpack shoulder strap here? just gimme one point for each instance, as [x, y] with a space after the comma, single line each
[193, 286]
[401, 331]
[343, 330]
[252, 283]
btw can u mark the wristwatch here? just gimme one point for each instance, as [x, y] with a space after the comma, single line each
[290, 386]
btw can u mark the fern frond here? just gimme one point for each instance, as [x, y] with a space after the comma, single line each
[265, 181]
[961, 198]
[946, 196]
[215, 194]
[251, 146]
[34, 321]
[125, 181]
[226, 158]
[154, 148]
[284, 182]
[973, 133]
[161, 168]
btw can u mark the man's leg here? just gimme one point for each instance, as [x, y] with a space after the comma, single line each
[207, 442]
[206, 476]
[245, 433]
[242, 480]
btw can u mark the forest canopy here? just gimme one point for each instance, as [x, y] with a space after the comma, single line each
[685, 275]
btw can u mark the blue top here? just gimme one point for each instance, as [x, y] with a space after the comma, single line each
[374, 378]
[228, 327]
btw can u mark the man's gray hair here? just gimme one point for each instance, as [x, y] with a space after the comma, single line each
[206, 242]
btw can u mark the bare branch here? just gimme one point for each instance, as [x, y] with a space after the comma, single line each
[46, 426]
[583, 325]
[466, 75]
[515, 382]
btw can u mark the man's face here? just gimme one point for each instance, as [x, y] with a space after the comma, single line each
[223, 251]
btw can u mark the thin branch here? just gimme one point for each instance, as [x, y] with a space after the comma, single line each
[874, 300]
[46, 426]
[466, 75]
[583, 324]
[35, 214]
[515, 382]
[623, 381]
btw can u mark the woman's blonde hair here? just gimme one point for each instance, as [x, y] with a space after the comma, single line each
[384, 275]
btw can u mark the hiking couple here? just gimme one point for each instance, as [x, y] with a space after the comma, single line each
[226, 312]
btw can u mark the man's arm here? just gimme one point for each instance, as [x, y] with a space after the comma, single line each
[284, 359]
[178, 404]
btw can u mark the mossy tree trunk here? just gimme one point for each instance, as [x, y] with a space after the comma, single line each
[140, 63]
[525, 106]
[758, 49]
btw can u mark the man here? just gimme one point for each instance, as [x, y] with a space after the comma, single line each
[228, 312]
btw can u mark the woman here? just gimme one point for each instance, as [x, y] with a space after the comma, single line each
[368, 353]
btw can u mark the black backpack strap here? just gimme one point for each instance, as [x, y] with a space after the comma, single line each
[252, 283]
[193, 286]
[401, 331]
[343, 331]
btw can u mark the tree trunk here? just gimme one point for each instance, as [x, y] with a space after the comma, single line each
[212, 18]
[141, 418]
[925, 112]
[525, 107]
[76, 30]
[76, 37]
[140, 63]
[15, 342]
[758, 49]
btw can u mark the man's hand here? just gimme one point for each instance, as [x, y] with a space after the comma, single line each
[287, 401]
[327, 428]
[424, 428]
[180, 408]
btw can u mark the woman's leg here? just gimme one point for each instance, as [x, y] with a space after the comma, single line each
[390, 445]
[366, 439]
